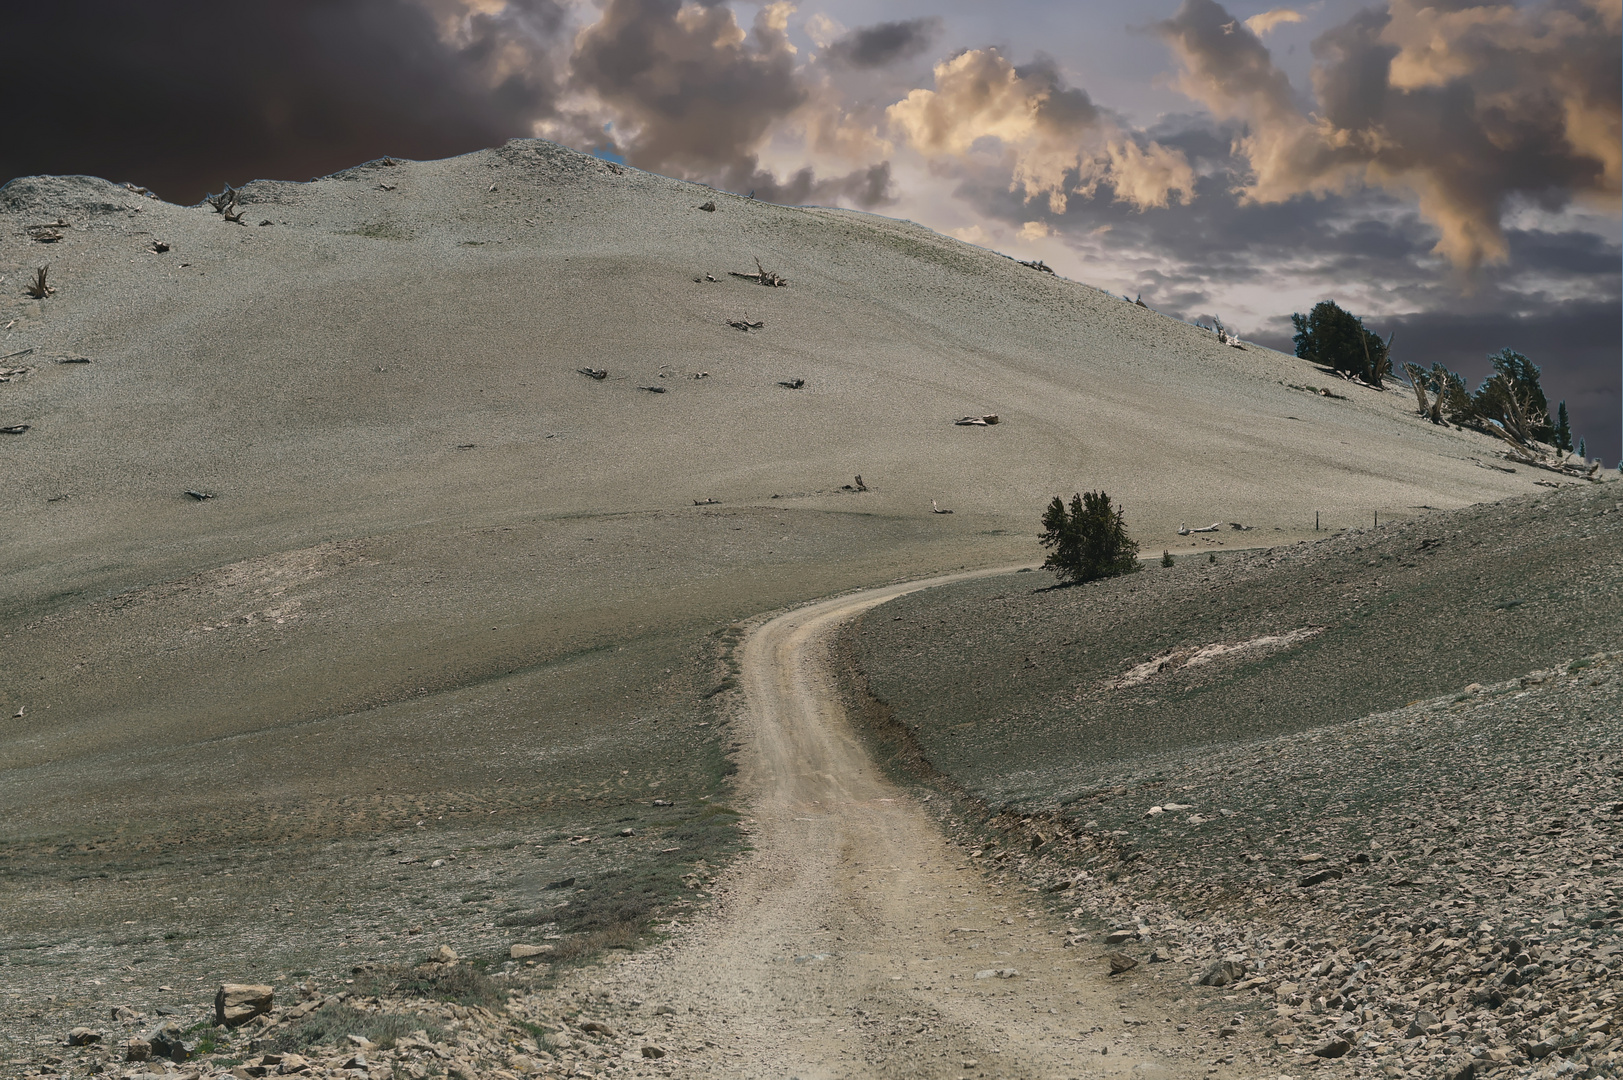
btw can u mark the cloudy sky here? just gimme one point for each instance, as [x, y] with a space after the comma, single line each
[1449, 169]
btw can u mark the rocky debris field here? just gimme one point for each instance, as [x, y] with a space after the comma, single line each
[1259, 775]
[1427, 892]
[491, 1032]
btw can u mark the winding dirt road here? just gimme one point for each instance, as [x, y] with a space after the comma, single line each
[854, 941]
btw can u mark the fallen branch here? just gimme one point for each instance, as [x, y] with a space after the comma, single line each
[15, 429]
[745, 325]
[762, 276]
[934, 509]
[652, 389]
[792, 384]
[1184, 530]
[977, 421]
[1238, 527]
[200, 496]
[1038, 265]
[593, 373]
[706, 502]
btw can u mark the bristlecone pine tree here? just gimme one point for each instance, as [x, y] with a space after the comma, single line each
[1089, 540]
[1337, 339]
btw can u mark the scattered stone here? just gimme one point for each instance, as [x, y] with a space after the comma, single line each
[597, 1027]
[1333, 1047]
[124, 1014]
[1117, 937]
[997, 973]
[524, 952]
[1224, 973]
[445, 955]
[237, 1003]
[137, 1050]
[653, 1052]
[83, 1036]
[167, 1041]
[1120, 963]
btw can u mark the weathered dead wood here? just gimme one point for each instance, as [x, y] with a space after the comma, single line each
[988, 420]
[200, 496]
[1184, 530]
[745, 325]
[38, 288]
[652, 389]
[762, 276]
[792, 384]
[15, 429]
[593, 373]
[934, 509]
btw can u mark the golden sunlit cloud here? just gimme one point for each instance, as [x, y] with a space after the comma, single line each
[1051, 133]
[1469, 109]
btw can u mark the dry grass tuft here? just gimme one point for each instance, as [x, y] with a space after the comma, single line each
[38, 288]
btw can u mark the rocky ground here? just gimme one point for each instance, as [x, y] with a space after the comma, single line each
[460, 1024]
[1427, 889]
[1426, 892]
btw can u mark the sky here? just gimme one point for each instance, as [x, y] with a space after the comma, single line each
[1448, 170]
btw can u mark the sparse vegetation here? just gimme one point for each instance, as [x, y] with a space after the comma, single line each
[38, 288]
[1089, 541]
[333, 1022]
[1510, 403]
[1166, 558]
[1336, 339]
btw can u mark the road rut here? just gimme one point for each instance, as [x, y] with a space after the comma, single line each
[855, 940]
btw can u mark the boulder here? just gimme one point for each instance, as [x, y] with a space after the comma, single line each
[137, 1050]
[653, 1052]
[166, 1041]
[1224, 973]
[83, 1036]
[237, 1003]
[521, 952]
[1333, 1047]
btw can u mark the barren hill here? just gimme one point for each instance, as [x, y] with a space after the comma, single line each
[329, 562]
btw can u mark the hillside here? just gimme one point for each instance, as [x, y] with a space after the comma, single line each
[443, 595]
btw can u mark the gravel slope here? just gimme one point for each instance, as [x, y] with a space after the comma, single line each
[1423, 891]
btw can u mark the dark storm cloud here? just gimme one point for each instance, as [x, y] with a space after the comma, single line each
[880, 44]
[1473, 107]
[695, 96]
[183, 96]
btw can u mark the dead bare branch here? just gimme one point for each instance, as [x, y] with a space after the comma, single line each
[38, 289]
[762, 276]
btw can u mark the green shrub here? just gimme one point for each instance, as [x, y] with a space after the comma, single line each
[1089, 541]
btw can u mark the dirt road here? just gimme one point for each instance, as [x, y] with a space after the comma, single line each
[855, 941]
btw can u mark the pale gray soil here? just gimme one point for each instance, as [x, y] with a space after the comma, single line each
[1362, 857]
[441, 577]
